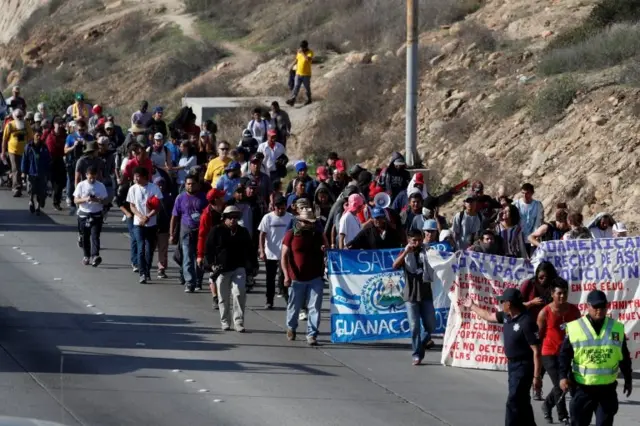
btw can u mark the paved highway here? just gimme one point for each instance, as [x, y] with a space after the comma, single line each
[87, 346]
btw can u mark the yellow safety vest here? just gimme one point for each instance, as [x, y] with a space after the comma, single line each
[595, 357]
[80, 114]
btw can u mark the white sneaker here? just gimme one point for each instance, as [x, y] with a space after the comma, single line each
[302, 316]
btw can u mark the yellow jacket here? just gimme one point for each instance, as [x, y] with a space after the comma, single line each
[16, 140]
[78, 112]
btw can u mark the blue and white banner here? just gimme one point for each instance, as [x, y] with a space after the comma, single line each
[367, 296]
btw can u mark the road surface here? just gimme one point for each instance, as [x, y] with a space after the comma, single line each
[80, 345]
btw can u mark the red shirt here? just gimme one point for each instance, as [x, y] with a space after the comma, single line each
[306, 258]
[209, 219]
[554, 332]
[133, 163]
[55, 143]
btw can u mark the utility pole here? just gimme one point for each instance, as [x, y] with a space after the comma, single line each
[411, 107]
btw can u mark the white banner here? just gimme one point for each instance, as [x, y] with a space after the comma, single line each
[611, 265]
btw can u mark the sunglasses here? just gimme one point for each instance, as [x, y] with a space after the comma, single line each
[599, 306]
[223, 149]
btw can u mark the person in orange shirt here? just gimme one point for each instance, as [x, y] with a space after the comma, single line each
[303, 60]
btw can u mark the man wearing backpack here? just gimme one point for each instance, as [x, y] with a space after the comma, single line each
[395, 177]
[553, 230]
[467, 225]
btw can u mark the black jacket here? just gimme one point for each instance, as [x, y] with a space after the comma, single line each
[229, 251]
[369, 239]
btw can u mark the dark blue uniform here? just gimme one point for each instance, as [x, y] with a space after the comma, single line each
[520, 333]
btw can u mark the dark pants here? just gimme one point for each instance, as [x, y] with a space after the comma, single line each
[58, 179]
[133, 245]
[554, 398]
[302, 80]
[146, 237]
[71, 184]
[273, 271]
[519, 411]
[37, 188]
[91, 226]
[603, 400]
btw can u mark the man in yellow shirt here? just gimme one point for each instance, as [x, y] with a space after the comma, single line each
[17, 133]
[216, 167]
[302, 63]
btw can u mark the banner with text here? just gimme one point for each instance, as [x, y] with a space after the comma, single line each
[610, 265]
[367, 296]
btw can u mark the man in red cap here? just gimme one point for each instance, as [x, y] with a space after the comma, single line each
[95, 118]
[272, 150]
[210, 218]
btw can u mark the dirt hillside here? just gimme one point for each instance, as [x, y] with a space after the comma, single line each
[510, 91]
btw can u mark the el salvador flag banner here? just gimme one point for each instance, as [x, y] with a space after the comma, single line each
[367, 296]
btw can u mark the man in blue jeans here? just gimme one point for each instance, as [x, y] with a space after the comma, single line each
[187, 209]
[302, 260]
[144, 200]
[417, 292]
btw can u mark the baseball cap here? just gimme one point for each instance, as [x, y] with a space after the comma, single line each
[399, 162]
[158, 109]
[512, 295]
[214, 194]
[419, 179]
[378, 213]
[300, 166]
[234, 165]
[620, 227]
[109, 125]
[470, 199]
[271, 132]
[231, 211]
[37, 116]
[303, 203]
[444, 234]
[97, 109]
[596, 298]
[256, 158]
[340, 165]
[430, 225]
[322, 173]
[158, 136]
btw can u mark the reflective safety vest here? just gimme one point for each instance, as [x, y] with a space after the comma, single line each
[595, 357]
[77, 113]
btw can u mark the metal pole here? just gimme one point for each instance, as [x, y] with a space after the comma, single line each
[411, 124]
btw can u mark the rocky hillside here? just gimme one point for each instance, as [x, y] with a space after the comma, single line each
[510, 91]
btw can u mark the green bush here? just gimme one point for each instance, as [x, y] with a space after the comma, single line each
[604, 14]
[57, 100]
[630, 75]
[606, 48]
[552, 100]
[507, 104]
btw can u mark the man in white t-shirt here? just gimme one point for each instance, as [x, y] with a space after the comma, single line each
[349, 225]
[144, 198]
[272, 229]
[272, 150]
[89, 196]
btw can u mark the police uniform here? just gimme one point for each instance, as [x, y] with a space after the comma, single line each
[591, 354]
[520, 333]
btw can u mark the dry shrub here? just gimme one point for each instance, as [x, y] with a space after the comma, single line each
[630, 75]
[507, 104]
[552, 100]
[459, 129]
[483, 37]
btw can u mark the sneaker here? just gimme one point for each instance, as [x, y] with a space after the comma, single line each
[96, 261]
[312, 341]
[291, 335]
[214, 303]
[199, 287]
[416, 360]
[147, 277]
[302, 316]
[269, 306]
[80, 242]
[85, 261]
[537, 396]
[38, 211]
[142, 280]
[135, 269]
[546, 412]
[290, 102]
[240, 328]
[32, 208]
[17, 194]
[162, 274]
[429, 344]
[565, 421]
[188, 288]
[69, 202]
[57, 207]
[225, 327]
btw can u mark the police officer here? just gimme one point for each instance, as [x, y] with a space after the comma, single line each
[522, 347]
[598, 348]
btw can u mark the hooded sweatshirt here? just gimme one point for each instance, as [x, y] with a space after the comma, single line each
[322, 213]
[595, 230]
[395, 180]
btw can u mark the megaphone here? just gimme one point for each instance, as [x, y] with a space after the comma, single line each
[382, 200]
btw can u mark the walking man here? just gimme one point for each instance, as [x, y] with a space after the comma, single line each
[36, 164]
[273, 228]
[89, 196]
[187, 209]
[15, 136]
[144, 199]
[303, 60]
[592, 354]
[303, 267]
[228, 252]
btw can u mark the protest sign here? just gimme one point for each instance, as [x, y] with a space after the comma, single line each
[610, 265]
[471, 342]
[367, 296]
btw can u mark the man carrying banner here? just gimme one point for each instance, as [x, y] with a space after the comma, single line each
[522, 348]
[592, 353]
[417, 293]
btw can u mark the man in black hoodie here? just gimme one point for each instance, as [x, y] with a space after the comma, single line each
[396, 177]
[323, 201]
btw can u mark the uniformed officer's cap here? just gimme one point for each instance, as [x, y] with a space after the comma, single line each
[512, 295]
[596, 298]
